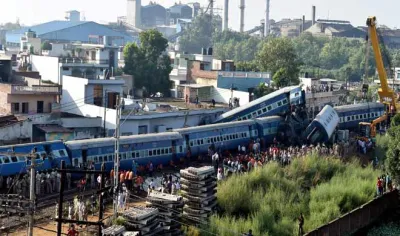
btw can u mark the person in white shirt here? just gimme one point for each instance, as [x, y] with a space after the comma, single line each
[219, 175]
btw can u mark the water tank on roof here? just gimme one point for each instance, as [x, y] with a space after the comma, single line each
[204, 51]
[210, 51]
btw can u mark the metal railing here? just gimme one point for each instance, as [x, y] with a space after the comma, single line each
[74, 60]
[34, 89]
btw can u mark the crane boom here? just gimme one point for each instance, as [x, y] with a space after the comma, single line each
[386, 94]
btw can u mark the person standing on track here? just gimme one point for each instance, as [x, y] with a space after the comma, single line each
[72, 231]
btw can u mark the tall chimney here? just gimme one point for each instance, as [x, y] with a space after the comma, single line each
[226, 15]
[267, 24]
[303, 23]
[134, 12]
[242, 6]
[313, 15]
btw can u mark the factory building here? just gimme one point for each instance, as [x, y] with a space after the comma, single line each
[71, 30]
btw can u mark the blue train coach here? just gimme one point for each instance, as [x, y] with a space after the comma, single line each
[275, 103]
[351, 115]
[49, 155]
[159, 148]
[323, 126]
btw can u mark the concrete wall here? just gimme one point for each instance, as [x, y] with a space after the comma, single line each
[32, 100]
[174, 120]
[48, 67]
[16, 131]
[223, 96]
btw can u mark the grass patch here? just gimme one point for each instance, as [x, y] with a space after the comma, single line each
[270, 199]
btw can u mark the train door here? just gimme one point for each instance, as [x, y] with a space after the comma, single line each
[186, 144]
[84, 157]
[173, 146]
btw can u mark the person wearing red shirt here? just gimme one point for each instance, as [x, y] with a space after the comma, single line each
[379, 186]
[72, 231]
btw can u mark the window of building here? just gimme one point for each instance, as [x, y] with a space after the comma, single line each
[25, 108]
[39, 108]
[143, 129]
[93, 55]
[15, 107]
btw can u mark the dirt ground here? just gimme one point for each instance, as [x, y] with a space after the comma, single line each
[49, 228]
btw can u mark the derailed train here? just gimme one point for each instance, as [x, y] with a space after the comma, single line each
[161, 148]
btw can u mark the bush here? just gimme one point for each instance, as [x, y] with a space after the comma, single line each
[390, 229]
[270, 199]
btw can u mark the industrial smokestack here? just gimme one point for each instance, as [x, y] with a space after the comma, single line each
[303, 23]
[242, 6]
[226, 15]
[134, 13]
[267, 23]
[313, 15]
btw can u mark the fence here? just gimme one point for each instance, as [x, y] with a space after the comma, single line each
[359, 217]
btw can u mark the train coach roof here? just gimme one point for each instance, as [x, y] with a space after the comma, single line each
[268, 119]
[257, 101]
[215, 126]
[353, 107]
[142, 138]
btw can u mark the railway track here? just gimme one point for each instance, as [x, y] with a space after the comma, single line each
[45, 210]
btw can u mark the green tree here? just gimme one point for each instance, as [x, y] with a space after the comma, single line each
[46, 45]
[147, 62]
[262, 90]
[279, 57]
[395, 120]
[199, 34]
[247, 66]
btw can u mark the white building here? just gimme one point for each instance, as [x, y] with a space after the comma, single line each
[30, 40]
[79, 60]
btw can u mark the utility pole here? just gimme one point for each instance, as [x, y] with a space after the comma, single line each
[116, 160]
[105, 114]
[32, 191]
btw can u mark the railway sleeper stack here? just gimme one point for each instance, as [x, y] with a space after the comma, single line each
[170, 211]
[143, 219]
[199, 193]
[115, 230]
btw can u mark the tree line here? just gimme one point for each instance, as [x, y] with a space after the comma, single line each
[288, 58]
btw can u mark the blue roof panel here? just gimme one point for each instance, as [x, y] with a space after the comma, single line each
[49, 27]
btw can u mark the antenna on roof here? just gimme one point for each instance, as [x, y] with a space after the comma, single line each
[83, 16]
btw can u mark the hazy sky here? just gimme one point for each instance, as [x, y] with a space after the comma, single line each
[38, 11]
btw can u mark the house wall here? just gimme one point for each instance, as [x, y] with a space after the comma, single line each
[48, 67]
[223, 96]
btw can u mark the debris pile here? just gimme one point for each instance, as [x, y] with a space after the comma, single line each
[143, 219]
[170, 211]
[199, 192]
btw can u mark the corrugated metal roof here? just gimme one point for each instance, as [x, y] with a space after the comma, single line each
[49, 27]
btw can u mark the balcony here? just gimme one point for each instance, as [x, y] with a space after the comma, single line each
[20, 89]
[82, 61]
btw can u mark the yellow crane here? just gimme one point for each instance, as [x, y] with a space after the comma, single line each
[386, 94]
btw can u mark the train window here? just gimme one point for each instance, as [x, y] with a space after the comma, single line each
[353, 118]
[191, 143]
[62, 153]
[158, 151]
[208, 140]
[100, 159]
[150, 153]
[244, 118]
[279, 103]
[170, 150]
[239, 119]
[76, 162]
[249, 116]
[137, 154]
[106, 158]
[264, 110]
[236, 136]
[201, 141]
[254, 114]
[162, 151]
[1, 161]
[181, 148]
[348, 118]
[365, 116]
[269, 107]
[198, 142]
[95, 160]
[21, 158]
[284, 101]
[259, 112]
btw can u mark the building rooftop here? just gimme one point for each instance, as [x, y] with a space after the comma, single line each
[9, 120]
[53, 129]
[49, 27]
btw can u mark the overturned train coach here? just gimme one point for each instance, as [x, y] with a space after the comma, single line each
[161, 148]
[323, 126]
